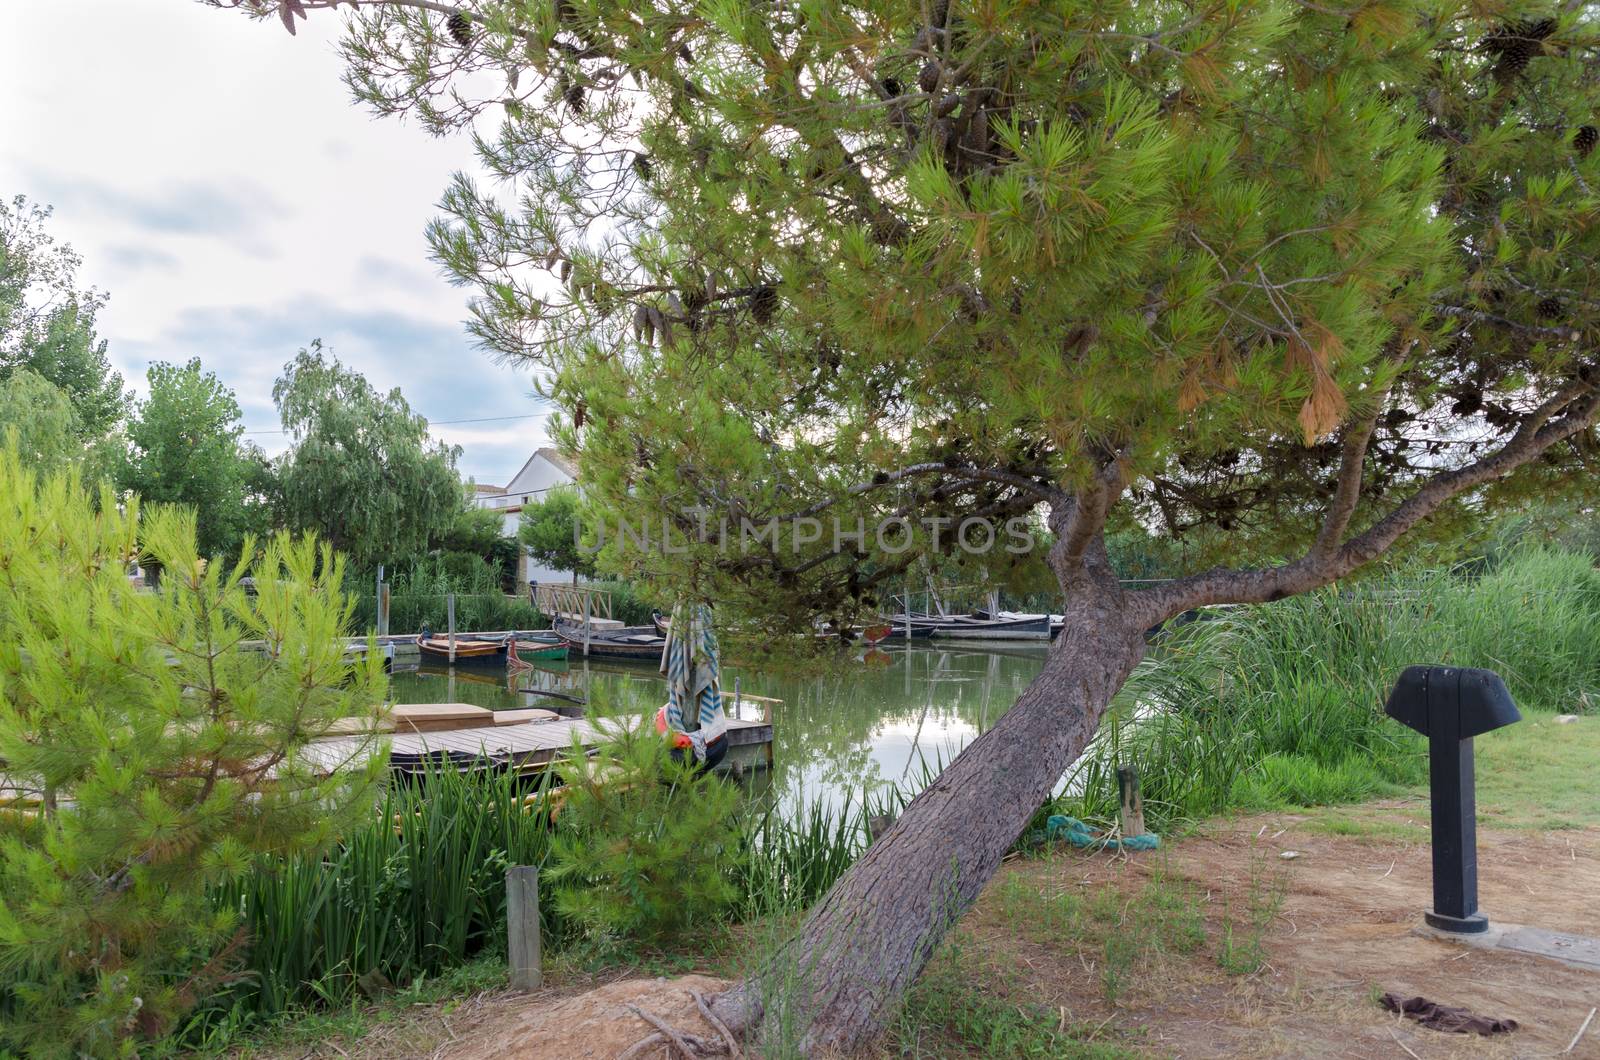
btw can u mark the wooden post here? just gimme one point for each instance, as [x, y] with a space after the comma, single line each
[522, 927]
[450, 618]
[381, 604]
[1131, 812]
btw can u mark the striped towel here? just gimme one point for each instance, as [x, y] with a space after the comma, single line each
[694, 688]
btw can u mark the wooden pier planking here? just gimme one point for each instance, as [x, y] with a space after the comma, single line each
[533, 745]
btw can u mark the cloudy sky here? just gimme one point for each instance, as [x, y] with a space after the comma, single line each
[221, 186]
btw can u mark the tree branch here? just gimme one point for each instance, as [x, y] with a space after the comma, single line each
[1347, 491]
[1578, 406]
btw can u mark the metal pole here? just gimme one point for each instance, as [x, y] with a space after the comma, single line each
[450, 615]
[587, 609]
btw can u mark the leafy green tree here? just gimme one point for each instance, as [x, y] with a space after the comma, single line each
[185, 446]
[549, 531]
[481, 531]
[1306, 277]
[47, 322]
[43, 419]
[362, 472]
[160, 755]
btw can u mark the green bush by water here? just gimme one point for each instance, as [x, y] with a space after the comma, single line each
[420, 888]
[1283, 703]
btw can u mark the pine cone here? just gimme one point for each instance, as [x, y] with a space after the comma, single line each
[764, 303]
[643, 166]
[1584, 140]
[1549, 308]
[460, 27]
[1515, 44]
[574, 98]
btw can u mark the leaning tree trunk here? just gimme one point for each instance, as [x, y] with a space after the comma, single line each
[837, 982]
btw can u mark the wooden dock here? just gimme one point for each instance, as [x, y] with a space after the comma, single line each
[529, 746]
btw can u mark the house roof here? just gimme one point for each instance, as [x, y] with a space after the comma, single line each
[555, 457]
[480, 487]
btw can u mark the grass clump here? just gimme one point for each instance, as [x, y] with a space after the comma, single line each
[1242, 950]
[950, 1013]
[1124, 933]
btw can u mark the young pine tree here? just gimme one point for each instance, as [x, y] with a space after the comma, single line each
[151, 746]
[644, 844]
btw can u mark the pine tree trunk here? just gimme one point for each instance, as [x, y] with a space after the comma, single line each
[835, 985]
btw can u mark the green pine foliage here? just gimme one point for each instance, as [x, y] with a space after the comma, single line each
[153, 748]
[1188, 241]
[645, 845]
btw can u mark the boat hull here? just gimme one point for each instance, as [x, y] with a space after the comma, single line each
[637, 643]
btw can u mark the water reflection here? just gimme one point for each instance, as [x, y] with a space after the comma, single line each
[860, 726]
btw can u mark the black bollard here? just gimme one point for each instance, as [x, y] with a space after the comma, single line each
[1450, 705]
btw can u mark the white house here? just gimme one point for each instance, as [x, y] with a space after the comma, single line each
[545, 470]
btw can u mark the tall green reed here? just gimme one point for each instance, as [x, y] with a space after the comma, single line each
[1283, 702]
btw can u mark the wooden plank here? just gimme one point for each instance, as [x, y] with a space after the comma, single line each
[433, 717]
[523, 716]
[522, 927]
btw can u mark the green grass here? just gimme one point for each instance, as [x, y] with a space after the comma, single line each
[1241, 948]
[300, 1030]
[950, 1013]
[1281, 705]
[1123, 932]
[1538, 774]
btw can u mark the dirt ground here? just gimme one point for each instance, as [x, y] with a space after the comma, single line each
[1344, 934]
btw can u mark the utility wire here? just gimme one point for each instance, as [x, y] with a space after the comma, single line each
[446, 423]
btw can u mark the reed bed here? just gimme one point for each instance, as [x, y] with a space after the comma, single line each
[1283, 703]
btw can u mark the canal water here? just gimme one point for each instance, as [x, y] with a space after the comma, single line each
[863, 725]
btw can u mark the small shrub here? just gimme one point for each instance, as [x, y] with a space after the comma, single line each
[643, 843]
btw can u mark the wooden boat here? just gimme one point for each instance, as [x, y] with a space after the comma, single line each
[640, 643]
[437, 649]
[526, 648]
[967, 627]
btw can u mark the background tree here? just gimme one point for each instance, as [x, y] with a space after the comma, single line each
[480, 532]
[1309, 276]
[162, 756]
[548, 531]
[185, 446]
[47, 323]
[40, 413]
[362, 471]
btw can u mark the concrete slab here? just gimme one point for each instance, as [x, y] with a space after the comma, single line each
[1578, 951]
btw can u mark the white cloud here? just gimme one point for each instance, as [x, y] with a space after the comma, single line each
[221, 185]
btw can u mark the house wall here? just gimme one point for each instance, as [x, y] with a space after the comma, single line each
[537, 477]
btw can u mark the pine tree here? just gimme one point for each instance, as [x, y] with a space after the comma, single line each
[1267, 278]
[153, 748]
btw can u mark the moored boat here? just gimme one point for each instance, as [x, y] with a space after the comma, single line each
[640, 643]
[965, 627]
[439, 649]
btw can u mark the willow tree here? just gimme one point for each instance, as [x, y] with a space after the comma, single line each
[1288, 278]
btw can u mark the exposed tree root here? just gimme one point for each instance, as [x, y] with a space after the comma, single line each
[685, 1046]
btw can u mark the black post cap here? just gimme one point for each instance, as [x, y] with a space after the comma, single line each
[1480, 698]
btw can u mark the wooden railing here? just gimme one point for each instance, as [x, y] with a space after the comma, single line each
[575, 601]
